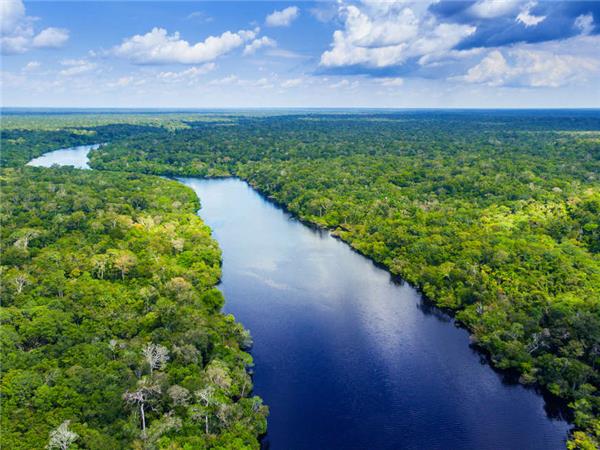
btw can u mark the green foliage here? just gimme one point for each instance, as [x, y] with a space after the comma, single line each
[20, 145]
[95, 267]
[494, 215]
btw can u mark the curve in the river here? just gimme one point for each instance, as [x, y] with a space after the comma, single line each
[74, 156]
[347, 358]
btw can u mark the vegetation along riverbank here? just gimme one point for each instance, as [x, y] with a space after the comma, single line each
[494, 215]
[112, 334]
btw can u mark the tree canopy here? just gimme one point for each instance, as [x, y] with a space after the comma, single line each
[494, 215]
[111, 323]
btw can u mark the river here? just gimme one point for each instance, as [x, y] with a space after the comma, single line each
[75, 156]
[345, 356]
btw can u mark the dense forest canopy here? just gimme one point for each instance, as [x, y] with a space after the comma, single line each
[494, 215]
[111, 334]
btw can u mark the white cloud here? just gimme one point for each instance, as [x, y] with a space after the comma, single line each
[344, 83]
[325, 12]
[555, 65]
[281, 53]
[128, 81]
[12, 80]
[384, 34]
[488, 9]
[492, 70]
[282, 18]
[585, 23]
[440, 58]
[158, 47]
[31, 66]
[233, 80]
[390, 82]
[256, 44]
[293, 82]
[190, 74]
[12, 13]
[51, 38]
[123, 81]
[528, 19]
[546, 69]
[199, 16]
[261, 83]
[15, 44]
[225, 81]
[76, 67]
[18, 34]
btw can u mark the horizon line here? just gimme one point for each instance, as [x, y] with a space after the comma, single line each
[266, 108]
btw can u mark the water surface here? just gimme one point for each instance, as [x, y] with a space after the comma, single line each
[346, 357]
[74, 156]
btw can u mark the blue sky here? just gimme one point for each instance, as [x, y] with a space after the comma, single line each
[359, 53]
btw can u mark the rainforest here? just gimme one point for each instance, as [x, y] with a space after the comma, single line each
[112, 322]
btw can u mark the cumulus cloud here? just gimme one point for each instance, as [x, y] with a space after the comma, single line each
[261, 83]
[256, 44]
[492, 70]
[15, 44]
[199, 16]
[158, 47]
[18, 35]
[31, 66]
[488, 9]
[225, 81]
[189, 75]
[282, 18]
[233, 80]
[527, 18]
[122, 82]
[531, 67]
[76, 67]
[344, 84]
[12, 13]
[51, 38]
[293, 82]
[325, 12]
[287, 54]
[390, 81]
[386, 34]
[128, 81]
[585, 23]
[501, 23]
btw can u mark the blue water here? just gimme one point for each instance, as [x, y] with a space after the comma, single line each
[347, 358]
[75, 156]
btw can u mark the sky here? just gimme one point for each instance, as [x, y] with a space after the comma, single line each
[346, 53]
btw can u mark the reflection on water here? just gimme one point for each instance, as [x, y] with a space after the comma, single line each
[346, 358]
[75, 156]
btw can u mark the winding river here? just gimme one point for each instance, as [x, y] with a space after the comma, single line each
[346, 357]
